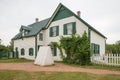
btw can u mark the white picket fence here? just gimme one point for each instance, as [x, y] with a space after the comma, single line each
[107, 59]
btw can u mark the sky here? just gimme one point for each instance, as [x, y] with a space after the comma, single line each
[103, 15]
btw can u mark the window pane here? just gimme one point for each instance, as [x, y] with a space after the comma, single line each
[54, 31]
[22, 51]
[95, 48]
[41, 37]
[69, 28]
[31, 51]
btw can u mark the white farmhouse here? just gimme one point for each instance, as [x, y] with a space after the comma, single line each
[63, 22]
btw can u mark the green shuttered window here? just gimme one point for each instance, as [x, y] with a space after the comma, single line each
[73, 28]
[50, 32]
[54, 31]
[65, 29]
[57, 30]
[69, 28]
[95, 48]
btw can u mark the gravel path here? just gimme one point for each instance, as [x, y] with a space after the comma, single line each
[59, 67]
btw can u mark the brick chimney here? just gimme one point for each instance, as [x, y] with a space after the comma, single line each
[78, 13]
[36, 19]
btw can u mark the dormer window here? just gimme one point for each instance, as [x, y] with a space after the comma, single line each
[25, 32]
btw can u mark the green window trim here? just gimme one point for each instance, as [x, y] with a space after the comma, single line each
[73, 27]
[65, 30]
[22, 51]
[52, 33]
[57, 30]
[54, 51]
[95, 48]
[31, 51]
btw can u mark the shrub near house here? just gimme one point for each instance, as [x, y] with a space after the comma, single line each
[76, 48]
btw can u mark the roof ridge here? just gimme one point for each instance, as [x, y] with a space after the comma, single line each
[38, 21]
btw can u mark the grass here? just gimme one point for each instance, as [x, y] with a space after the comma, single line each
[97, 66]
[14, 60]
[22, 75]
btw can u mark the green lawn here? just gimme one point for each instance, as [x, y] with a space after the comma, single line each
[14, 60]
[96, 66]
[22, 75]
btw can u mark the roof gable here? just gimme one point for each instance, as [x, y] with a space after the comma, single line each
[62, 11]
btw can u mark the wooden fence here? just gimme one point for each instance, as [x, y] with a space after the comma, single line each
[107, 59]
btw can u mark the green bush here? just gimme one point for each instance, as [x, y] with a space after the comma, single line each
[76, 48]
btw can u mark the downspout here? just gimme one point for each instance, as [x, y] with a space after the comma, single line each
[13, 49]
[89, 35]
[105, 46]
[35, 46]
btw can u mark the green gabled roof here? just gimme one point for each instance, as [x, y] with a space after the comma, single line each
[32, 29]
[56, 16]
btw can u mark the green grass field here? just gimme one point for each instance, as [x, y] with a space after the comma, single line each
[14, 60]
[22, 75]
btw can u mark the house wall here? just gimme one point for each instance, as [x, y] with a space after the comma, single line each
[97, 39]
[25, 43]
[80, 28]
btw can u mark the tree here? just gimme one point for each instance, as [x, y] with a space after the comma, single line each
[10, 47]
[118, 46]
[113, 48]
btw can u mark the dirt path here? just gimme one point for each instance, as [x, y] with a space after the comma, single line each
[29, 66]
